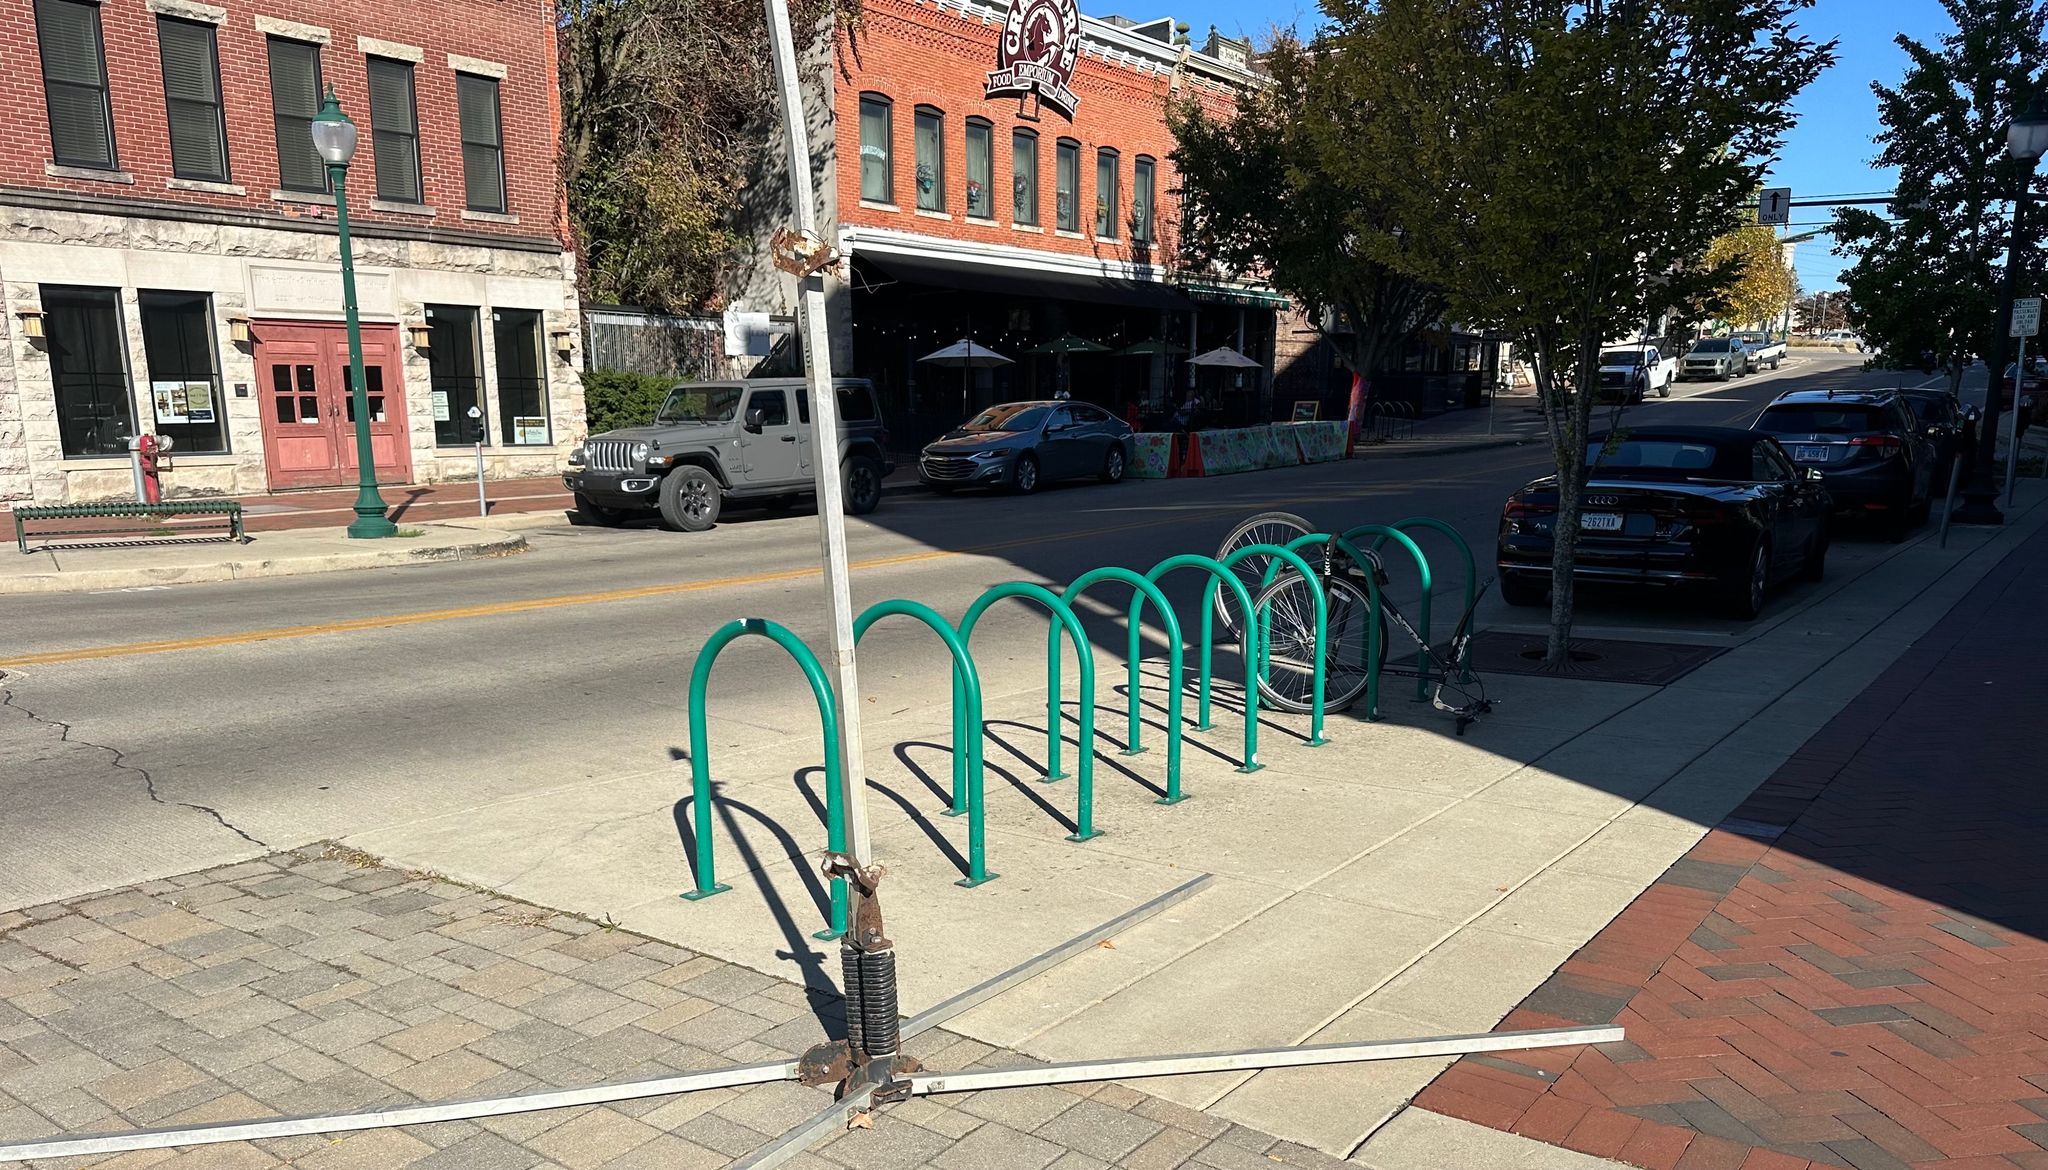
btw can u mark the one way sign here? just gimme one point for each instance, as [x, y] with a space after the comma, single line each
[1774, 206]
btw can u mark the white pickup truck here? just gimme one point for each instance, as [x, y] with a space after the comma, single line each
[1634, 371]
[1764, 350]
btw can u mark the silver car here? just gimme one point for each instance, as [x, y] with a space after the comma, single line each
[1020, 445]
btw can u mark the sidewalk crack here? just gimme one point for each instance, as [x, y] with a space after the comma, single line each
[118, 759]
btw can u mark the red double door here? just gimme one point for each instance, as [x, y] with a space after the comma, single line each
[309, 417]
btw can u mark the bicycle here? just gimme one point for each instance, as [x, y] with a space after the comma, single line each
[1283, 603]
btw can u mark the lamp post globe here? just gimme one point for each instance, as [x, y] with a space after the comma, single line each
[2027, 138]
[334, 139]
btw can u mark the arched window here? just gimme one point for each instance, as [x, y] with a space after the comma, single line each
[981, 169]
[930, 141]
[1141, 198]
[1066, 185]
[1105, 193]
[1024, 177]
[877, 158]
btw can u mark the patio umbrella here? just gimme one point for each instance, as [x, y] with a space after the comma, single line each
[1064, 344]
[1224, 357]
[1150, 348]
[969, 357]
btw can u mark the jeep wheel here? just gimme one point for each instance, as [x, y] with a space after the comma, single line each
[863, 484]
[598, 514]
[690, 499]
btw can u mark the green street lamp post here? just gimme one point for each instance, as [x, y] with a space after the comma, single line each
[334, 137]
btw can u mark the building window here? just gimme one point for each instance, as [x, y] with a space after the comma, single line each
[75, 83]
[184, 378]
[1024, 177]
[522, 377]
[1066, 179]
[877, 157]
[1141, 199]
[191, 60]
[931, 159]
[394, 130]
[455, 375]
[1105, 193]
[483, 142]
[89, 370]
[981, 167]
[294, 100]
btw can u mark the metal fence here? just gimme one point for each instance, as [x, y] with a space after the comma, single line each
[685, 348]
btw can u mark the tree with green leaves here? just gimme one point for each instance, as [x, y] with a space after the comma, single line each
[1264, 190]
[1926, 273]
[1760, 285]
[1560, 169]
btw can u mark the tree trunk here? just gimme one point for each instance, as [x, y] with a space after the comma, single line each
[1570, 445]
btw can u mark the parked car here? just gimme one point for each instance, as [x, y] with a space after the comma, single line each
[1631, 373]
[1764, 350]
[1944, 422]
[2033, 387]
[1878, 460]
[1020, 445]
[1843, 337]
[714, 442]
[1714, 508]
[1719, 358]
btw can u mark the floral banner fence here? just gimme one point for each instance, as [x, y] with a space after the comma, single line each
[1314, 442]
[1150, 454]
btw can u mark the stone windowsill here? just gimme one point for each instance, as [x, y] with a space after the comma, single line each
[1109, 240]
[935, 215]
[89, 174]
[392, 207]
[317, 198]
[1064, 234]
[205, 186]
[189, 10]
[489, 217]
[987, 221]
[871, 205]
[1033, 228]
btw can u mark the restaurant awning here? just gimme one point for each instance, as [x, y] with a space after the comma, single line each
[1008, 281]
[1231, 294]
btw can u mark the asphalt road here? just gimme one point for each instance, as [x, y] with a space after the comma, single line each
[152, 732]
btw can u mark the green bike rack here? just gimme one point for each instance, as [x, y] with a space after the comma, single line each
[967, 768]
[1063, 616]
[1372, 624]
[1385, 532]
[700, 763]
[1217, 570]
[1464, 551]
[1264, 639]
[1144, 590]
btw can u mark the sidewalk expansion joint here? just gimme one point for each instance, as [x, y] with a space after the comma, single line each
[119, 761]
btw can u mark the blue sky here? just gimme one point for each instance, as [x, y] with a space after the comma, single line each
[1830, 151]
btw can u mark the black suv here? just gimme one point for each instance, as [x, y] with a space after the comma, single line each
[1877, 459]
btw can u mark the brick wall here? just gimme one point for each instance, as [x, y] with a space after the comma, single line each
[919, 53]
[516, 34]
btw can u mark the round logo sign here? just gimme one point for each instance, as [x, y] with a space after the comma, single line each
[1040, 46]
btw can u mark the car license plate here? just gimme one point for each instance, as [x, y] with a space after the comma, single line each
[1810, 454]
[1600, 521]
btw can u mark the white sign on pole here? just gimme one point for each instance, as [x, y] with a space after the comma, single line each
[2026, 317]
[1774, 206]
[747, 334]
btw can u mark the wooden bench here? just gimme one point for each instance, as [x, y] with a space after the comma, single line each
[229, 525]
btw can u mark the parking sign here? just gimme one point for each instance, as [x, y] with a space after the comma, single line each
[2026, 316]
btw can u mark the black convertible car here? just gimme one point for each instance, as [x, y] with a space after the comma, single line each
[1713, 507]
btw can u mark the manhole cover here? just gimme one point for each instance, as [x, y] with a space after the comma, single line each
[1595, 659]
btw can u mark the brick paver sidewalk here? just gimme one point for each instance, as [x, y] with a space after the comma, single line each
[321, 982]
[1864, 988]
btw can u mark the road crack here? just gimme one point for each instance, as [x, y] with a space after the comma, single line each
[119, 760]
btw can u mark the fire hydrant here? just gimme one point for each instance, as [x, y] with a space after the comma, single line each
[151, 455]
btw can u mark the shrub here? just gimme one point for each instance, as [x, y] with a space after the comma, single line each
[620, 398]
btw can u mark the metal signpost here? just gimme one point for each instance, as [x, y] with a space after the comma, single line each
[2026, 322]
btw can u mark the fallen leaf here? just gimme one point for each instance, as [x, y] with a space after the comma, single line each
[861, 1121]
[1107, 944]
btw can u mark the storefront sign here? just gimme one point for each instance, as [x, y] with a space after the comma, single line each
[1041, 44]
[529, 430]
[183, 402]
[440, 399]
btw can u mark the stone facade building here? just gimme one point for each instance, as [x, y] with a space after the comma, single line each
[169, 261]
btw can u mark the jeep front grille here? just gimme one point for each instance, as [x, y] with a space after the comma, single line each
[609, 455]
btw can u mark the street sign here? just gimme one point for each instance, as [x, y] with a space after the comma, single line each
[2026, 316]
[1774, 206]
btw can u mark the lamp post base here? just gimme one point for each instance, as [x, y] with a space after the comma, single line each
[1978, 507]
[370, 522]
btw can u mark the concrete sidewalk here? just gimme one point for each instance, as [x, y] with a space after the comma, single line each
[267, 554]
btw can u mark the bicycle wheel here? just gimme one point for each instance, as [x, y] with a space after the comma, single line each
[1265, 528]
[1287, 609]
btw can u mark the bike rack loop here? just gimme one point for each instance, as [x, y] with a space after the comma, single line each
[1421, 566]
[967, 725]
[1144, 590]
[1372, 625]
[1464, 550]
[1216, 569]
[700, 764]
[1264, 643]
[1063, 615]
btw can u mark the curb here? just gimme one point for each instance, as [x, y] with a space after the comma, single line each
[1423, 448]
[85, 580]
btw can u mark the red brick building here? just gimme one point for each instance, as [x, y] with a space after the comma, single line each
[170, 263]
[1047, 237]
